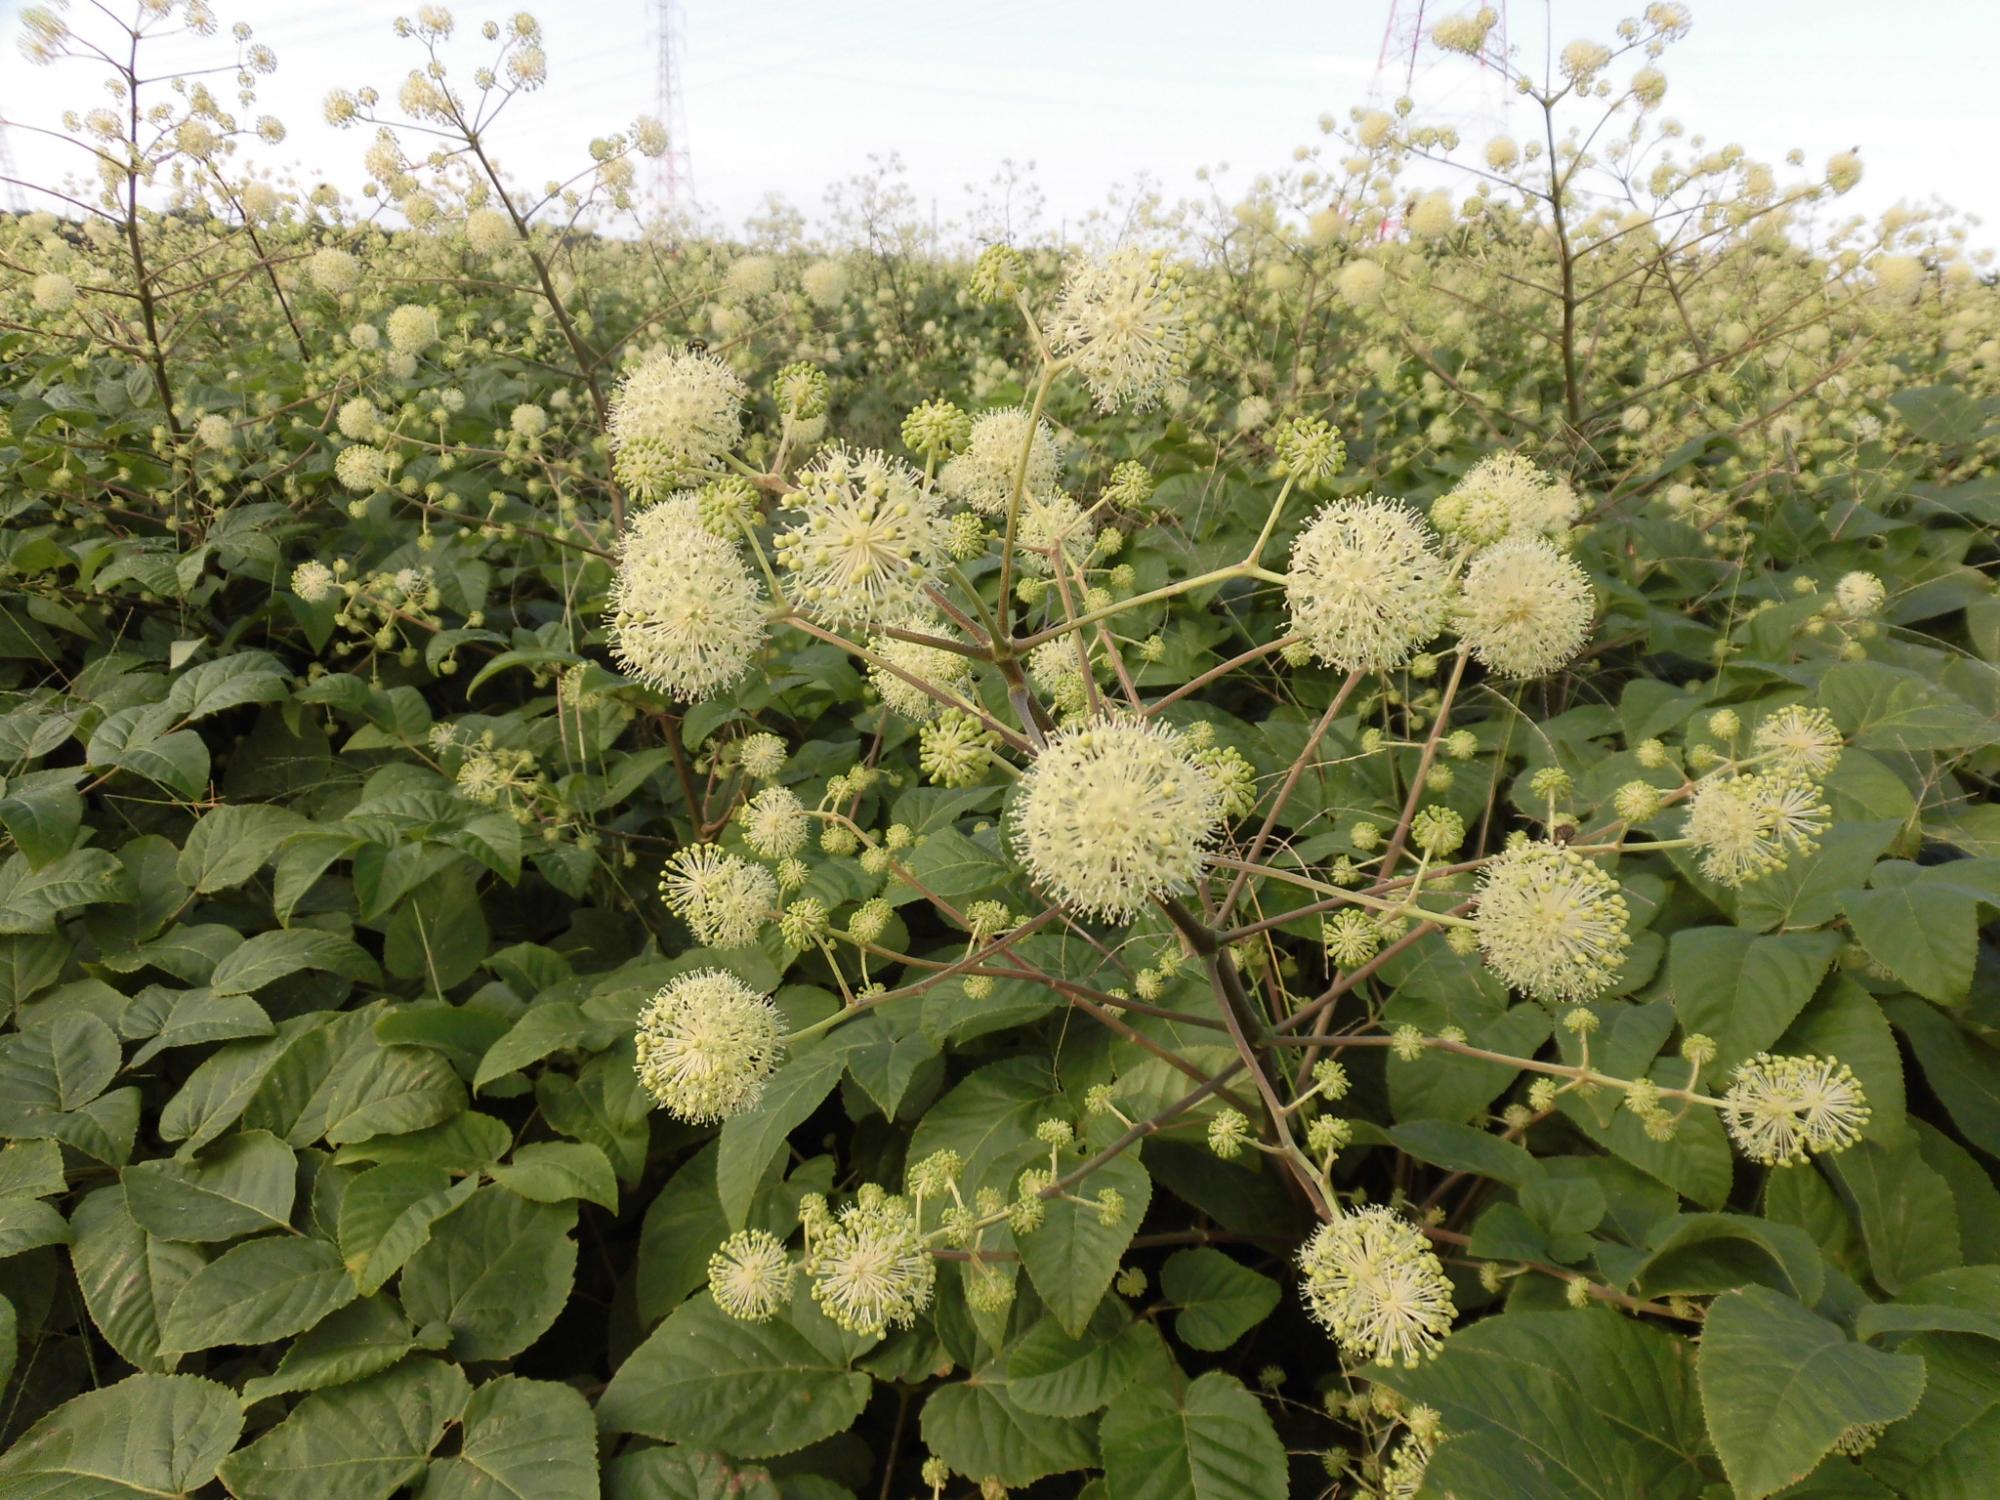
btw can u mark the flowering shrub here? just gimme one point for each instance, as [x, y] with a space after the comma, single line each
[1339, 849]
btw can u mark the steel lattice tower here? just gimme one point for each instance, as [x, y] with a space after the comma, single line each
[673, 171]
[1408, 28]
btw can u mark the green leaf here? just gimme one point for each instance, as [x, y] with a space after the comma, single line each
[1072, 1257]
[1908, 1216]
[363, 1338]
[386, 1217]
[255, 1293]
[438, 933]
[1880, 707]
[524, 1440]
[43, 818]
[1780, 1385]
[750, 1389]
[1220, 1298]
[556, 1171]
[1211, 1440]
[1963, 1070]
[194, 1017]
[271, 956]
[542, 1029]
[148, 1435]
[1846, 1022]
[1922, 924]
[690, 1474]
[496, 1271]
[130, 740]
[1744, 989]
[227, 682]
[128, 1277]
[1595, 1404]
[243, 1185]
[1052, 1374]
[1938, 413]
[362, 1441]
[974, 1426]
[390, 1091]
[1949, 1447]
[31, 1169]
[1702, 1253]
[29, 1224]
[751, 1140]
[229, 844]
[1963, 1299]
[31, 899]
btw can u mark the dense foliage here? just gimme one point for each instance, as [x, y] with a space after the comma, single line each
[1336, 848]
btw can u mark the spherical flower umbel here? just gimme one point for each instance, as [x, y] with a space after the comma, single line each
[1551, 923]
[1748, 826]
[1114, 812]
[312, 581]
[1366, 585]
[1802, 740]
[1505, 495]
[1780, 1109]
[53, 292]
[871, 1270]
[706, 1044]
[774, 823]
[750, 1276]
[686, 616]
[983, 475]
[1119, 322]
[361, 468]
[724, 898]
[677, 412]
[870, 535]
[945, 670]
[1524, 609]
[1372, 1281]
[412, 328]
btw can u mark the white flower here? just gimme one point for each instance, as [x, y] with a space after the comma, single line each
[677, 412]
[751, 1275]
[946, 670]
[774, 823]
[706, 1044]
[1119, 321]
[1113, 813]
[1505, 495]
[1366, 585]
[361, 468]
[312, 581]
[871, 534]
[1523, 608]
[412, 329]
[1859, 596]
[357, 418]
[1748, 826]
[1804, 741]
[825, 283]
[1372, 1281]
[686, 615]
[1551, 923]
[1778, 1109]
[870, 1268]
[488, 231]
[724, 899]
[53, 292]
[983, 475]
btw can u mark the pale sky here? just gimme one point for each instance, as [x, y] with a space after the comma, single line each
[791, 95]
